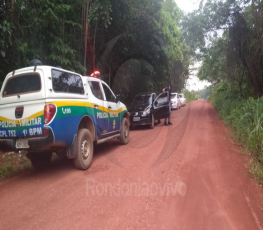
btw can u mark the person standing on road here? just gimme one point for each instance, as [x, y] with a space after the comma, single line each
[168, 89]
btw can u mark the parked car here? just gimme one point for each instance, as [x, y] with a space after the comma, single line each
[44, 109]
[146, 108]
[182, 99]
[175, 101]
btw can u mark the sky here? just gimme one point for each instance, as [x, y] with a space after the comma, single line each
[187, 5]
[193, 83]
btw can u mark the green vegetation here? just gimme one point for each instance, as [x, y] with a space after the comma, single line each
[104, 35]
[137, 45]
[245, 117]
[256, 169]
[205, 93]
[144, 45]
[227, 37]
[189, 95]
[11, 164]
[195, 95]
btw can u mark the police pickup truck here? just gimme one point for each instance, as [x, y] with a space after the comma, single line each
[44, 109]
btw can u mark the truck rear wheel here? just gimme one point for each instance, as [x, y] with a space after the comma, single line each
[84, 154]
[125, 132]
[40, 160]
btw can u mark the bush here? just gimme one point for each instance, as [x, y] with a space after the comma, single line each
[189, 95]
[243, 115]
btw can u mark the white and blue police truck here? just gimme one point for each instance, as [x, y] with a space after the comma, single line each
[45, 109]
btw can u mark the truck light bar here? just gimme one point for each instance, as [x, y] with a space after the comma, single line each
[95, 74]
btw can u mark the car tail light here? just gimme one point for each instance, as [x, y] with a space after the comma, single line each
[49, 113]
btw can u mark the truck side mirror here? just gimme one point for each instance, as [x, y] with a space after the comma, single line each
[118, 98]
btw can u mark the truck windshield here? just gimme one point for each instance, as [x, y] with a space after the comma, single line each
[22, 84]
[142, 99]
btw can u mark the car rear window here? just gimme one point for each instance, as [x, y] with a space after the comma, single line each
[174, 96]
[22, 84]
[67, 82]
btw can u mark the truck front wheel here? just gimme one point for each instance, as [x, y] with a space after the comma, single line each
[84, 155]
[40, 160]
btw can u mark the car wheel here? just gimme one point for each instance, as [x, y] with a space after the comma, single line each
[85, 146]
[125, 132]
[152, 122]
[40, 160]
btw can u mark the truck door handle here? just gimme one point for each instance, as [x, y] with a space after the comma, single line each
[109, 107]
[96, 106]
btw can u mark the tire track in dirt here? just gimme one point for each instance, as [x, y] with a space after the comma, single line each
[173, 139]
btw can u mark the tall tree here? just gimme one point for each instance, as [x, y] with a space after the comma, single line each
[241, 23]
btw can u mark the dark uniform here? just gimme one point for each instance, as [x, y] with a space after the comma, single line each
[168, 89]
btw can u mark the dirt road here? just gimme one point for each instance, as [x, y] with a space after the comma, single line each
[186, 176]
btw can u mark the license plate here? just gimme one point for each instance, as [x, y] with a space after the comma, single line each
[22, 144]
[136, 119]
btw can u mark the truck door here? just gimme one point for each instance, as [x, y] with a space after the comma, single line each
[113, 110]
[98, 108]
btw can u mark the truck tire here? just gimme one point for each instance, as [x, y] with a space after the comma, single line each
[40, 160]
[84, 153]
[152, 122]
[125, 132]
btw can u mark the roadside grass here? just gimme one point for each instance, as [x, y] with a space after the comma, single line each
[256, 169]
[11, 164]
[244, 118]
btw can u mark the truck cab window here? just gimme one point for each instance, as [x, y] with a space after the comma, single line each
[96, 90]
[109, 96]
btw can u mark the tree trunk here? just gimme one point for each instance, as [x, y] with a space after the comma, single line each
[86, 31]
[94, 44]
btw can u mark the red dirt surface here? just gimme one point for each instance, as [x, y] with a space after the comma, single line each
[186, 176]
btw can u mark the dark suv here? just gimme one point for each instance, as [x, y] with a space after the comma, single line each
[146, 108]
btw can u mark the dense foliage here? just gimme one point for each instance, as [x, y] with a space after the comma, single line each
[84, 35]
[205, 93]
[190, 95]
[228, 37]
[244, 116]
